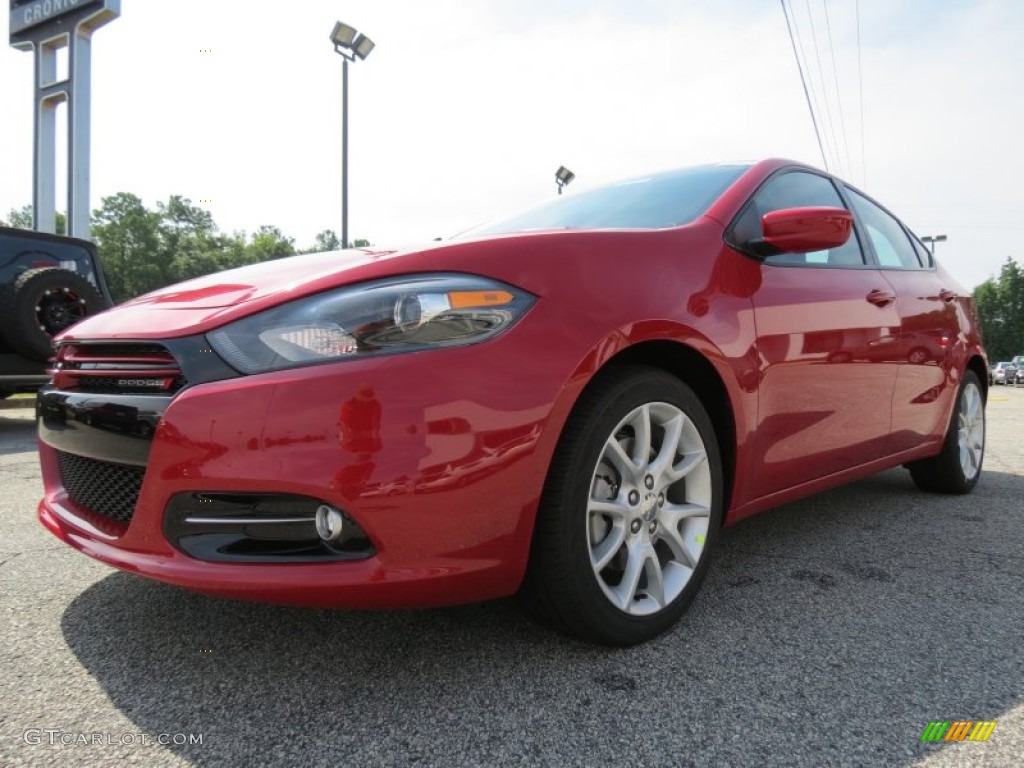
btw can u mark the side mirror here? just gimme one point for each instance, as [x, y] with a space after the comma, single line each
[799, 230]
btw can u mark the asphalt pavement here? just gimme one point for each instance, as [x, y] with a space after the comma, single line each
[829, 632]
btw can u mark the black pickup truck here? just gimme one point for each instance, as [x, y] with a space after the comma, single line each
[47, 283]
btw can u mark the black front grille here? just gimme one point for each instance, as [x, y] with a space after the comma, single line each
[121, 368]
[129, 386]
[135, 349]
[102, 487]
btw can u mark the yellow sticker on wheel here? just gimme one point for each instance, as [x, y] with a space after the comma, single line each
[699, 539]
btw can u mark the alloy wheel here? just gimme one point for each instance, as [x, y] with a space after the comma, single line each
[649, 507]
[971, 430]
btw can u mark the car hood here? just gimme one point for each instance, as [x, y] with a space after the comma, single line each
[206, 302]
[556, 264]
[256, 281]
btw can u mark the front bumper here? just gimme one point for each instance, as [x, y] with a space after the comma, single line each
[366, 584]
[440, 457]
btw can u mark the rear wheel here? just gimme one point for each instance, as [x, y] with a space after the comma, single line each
[957, 468]
[631, 508]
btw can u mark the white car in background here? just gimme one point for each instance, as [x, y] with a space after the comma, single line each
[1003, 373]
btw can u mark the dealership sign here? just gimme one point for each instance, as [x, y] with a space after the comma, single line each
[29, 18]
[44, 27]
[37, 12]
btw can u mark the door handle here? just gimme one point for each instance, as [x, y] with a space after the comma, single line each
[947, 295]
[881, 298]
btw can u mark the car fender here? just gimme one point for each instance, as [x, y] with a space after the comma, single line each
[742, 399]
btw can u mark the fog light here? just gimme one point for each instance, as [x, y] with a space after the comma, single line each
[330, 523]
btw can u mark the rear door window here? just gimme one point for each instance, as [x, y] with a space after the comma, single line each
[892, 245]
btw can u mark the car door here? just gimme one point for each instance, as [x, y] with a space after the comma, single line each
[929, 325]
[827, 325]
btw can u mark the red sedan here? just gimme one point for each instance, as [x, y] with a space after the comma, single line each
[571, 402]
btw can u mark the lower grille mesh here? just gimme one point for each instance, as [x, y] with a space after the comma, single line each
[102, 487]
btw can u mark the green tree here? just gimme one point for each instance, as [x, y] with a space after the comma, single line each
[269, 243]
[327, 240]
[143, 249]
[22, 219]
[190, 241]
[1000, 303]
[128, 236]
[179, 214]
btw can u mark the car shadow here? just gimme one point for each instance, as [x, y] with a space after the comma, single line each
[830, 631]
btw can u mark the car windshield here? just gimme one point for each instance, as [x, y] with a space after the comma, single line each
[651, 202]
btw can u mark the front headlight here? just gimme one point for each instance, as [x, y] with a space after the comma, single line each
[404, 314]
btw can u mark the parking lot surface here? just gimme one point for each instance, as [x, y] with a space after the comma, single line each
[829, 632]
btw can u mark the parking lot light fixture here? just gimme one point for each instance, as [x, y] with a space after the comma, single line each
[931, 240]
[362, 46]
[343, 35]
[350, 44]
[563, 177]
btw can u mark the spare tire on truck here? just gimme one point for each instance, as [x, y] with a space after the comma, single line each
[40, 304]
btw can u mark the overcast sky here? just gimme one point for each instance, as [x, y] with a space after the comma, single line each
[467, 107]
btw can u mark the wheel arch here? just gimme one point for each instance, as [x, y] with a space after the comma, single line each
[699, 373]
[977, 364]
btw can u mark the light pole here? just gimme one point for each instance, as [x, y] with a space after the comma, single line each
[563, 176]
[351, 45]
[931, 240]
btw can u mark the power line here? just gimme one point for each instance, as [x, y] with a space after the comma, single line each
[860, 84]
[803, 81]
[944, 225]
[839, 96]
[829, 125]
[804, 60]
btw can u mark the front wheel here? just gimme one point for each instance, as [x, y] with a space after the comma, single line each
[957, 468]
[630, 510]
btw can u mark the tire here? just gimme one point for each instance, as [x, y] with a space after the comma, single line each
[40, 304]
[605, 565]
[957, 468]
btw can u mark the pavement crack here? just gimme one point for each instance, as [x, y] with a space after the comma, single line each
[9, 556]
[906, 552]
